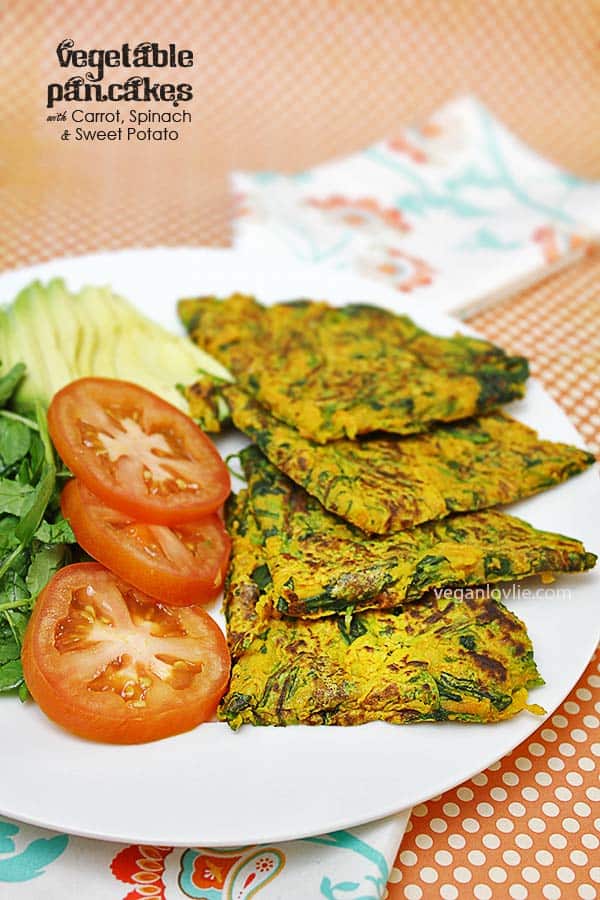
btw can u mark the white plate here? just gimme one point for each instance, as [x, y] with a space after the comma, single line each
[216, 788]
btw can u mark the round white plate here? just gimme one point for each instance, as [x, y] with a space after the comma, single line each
[216, 788]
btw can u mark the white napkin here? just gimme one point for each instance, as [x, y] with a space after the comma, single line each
[351, 865]
[455, 214]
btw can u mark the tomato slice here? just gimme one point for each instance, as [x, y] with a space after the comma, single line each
[180, 565]
[109, 664]
[136, 452]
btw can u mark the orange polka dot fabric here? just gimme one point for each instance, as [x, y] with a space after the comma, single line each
[527, 827]
[282, 86]
[556, 325]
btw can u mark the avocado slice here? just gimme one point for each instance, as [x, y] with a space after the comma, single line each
[31, 339]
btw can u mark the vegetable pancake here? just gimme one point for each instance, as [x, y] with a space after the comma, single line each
[342, 371]
[320, 564]
[384, 484]
[468, 660]
[207, 405]
[246, 604]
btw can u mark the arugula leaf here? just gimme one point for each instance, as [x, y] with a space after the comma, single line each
[9, 382]
[9, 649]
[44, 488]
[14, 497]
[12, 586]
[45, 563]
[59, 532]
[11, 675]
[15, 441]
[31, 517]
[18, 624]
[31, 466]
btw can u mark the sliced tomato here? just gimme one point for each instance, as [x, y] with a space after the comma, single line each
[180, 565]
[107, 663]
[136, 452]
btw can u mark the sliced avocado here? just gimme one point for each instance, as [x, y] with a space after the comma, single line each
[5, 353]
[62, 336]
[102, 321]
[144, 352]
[32, 341]
[90, 335]
[57, 306]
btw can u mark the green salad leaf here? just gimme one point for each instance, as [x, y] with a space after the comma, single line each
[14, 497]
[15, 441]
[35, 539]
[10, 381]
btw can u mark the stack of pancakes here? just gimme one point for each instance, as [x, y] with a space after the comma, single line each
[378, 450]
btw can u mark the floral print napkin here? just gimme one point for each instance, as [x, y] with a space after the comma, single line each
[456, 213]
[346, 865]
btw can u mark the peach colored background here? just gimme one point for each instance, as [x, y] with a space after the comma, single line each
[283, 84]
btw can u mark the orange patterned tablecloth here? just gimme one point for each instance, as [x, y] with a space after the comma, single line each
[282, 85]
